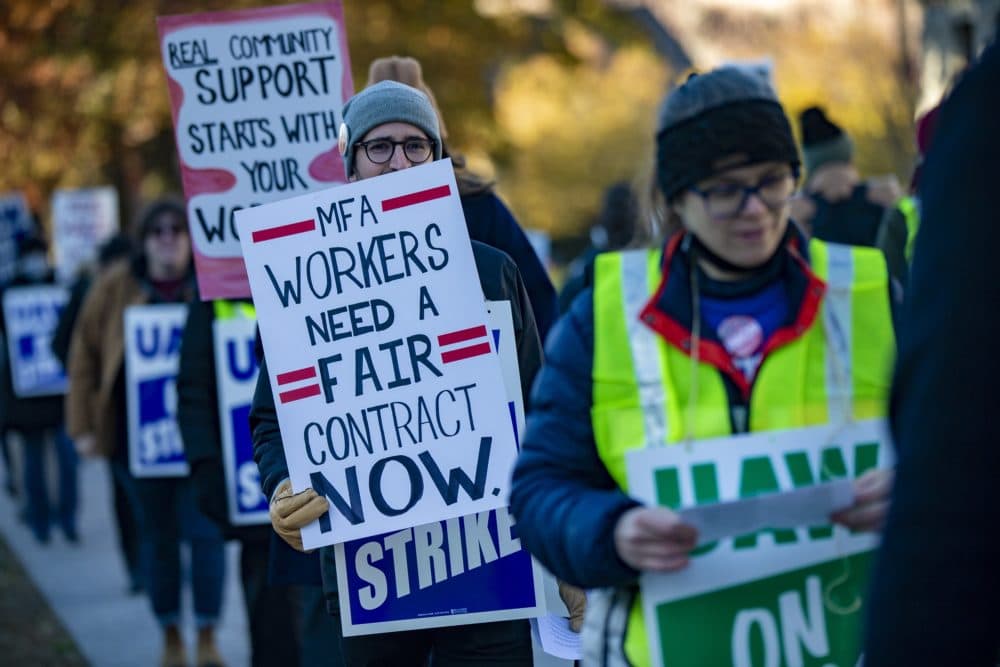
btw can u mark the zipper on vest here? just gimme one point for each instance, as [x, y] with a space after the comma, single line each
[739, 415]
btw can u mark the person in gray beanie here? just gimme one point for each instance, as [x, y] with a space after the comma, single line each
[389, 127]
[721, 330]
[380, 104]
[388, 104]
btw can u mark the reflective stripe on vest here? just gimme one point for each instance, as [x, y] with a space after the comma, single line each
[230, 310]
[647, 392]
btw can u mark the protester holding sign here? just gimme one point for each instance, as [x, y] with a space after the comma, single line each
[160, 273]
[488, 219]
[736, 324]
[390, 127]
[38, 417]
[272, 611]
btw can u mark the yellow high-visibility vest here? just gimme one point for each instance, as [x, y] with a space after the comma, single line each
[230, 310]
[908, 207]
[647, 392]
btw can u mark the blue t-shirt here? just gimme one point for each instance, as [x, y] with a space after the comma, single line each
[744, 324]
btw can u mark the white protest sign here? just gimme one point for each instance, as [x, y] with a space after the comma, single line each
[454, 572]
[236, 372]
[256, 96]
[390, 401]
[152, 357]
[31, 314]
[15, 221]
[81, 221]
[777, 596]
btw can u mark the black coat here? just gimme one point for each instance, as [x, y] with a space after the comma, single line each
[935, 595]
[40, 412]
[492, 223]
[858, 221]
[67, 318]
[198, 419]
[500, 280]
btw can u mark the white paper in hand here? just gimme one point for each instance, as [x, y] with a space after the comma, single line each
[808, 506]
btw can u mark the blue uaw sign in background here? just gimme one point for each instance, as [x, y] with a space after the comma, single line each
[15, 222]
[236, 371]
[152, 355]
[31, 314]
[464, 570]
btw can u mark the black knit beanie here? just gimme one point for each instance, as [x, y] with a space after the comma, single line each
[722, 114]
[823, 142]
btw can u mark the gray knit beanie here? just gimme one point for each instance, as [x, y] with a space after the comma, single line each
[726, 113]
[386, 102]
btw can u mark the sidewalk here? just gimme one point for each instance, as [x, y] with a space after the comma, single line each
[86, 585]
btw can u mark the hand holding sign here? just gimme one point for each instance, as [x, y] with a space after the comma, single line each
[290, 512]
[654, 539]
[575, 600]
[871, 501]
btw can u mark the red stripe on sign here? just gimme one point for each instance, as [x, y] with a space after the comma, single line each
[415, 198]
[462, 336]
[295, 376]
[465, 352]
[299, 394]
[281, 231]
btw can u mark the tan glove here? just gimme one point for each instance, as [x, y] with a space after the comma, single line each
[290, 512]
[576, 603]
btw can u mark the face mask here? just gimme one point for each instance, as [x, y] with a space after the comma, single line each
[34, 266]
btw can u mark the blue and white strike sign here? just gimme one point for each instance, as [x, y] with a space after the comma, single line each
[454, 572]
[15, 221]
[236, 371]
[31, 313]
[152, 356]
[389, 398]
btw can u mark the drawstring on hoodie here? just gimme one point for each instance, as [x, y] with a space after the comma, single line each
[695, 357]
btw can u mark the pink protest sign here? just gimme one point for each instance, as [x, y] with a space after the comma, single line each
[256, 97]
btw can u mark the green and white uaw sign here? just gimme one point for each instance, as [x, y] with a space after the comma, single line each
[388, 394]
[778, 596]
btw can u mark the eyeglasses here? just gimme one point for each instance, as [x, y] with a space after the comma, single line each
[380, 151]
[176, 229]
[728, 199]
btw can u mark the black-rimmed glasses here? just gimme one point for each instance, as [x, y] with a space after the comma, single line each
[726, 200]
[380, 151]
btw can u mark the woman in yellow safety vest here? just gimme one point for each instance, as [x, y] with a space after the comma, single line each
[729, 327]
